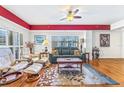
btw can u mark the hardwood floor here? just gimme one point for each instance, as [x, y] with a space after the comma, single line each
[113, 68]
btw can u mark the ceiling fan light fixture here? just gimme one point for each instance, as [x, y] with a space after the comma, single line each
[70, 17]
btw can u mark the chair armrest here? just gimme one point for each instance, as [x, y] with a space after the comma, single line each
[18, 61]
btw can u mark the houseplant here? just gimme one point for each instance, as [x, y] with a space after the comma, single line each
[30, 45]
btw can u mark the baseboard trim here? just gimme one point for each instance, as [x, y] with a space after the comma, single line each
[112, 58]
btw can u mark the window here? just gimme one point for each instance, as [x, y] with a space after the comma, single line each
[2, 37]
[16, 38]
[12, 40]
[65, 41]
[21, 39]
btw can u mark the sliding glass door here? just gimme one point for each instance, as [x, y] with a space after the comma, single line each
[12, 40]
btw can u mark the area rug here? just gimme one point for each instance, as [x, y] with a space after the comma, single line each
[90, 76]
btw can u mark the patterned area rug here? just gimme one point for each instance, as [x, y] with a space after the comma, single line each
[51, 77]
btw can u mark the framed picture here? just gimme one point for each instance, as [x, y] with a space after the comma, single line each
[105, 40]
[38, 39]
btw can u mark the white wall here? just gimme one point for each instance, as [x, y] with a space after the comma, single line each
[117, 25]
[9, 25]
[122, 43]
[49, 33]
[114, 51]
[89, 43]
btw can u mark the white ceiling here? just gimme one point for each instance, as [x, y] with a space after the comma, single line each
[51, 14]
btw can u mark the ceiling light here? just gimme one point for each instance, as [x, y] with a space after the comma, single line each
[70, 17]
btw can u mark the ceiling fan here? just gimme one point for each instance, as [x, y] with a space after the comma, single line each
[71, 15]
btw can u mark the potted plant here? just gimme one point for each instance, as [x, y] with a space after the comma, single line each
[30, 46]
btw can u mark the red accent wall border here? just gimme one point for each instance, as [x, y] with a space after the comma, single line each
[12, 17]
[70, 27]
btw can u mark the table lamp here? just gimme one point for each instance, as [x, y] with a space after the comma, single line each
[45, 43]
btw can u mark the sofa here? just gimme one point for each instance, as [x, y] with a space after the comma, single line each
[65, 52]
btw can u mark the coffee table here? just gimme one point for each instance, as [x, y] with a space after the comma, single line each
[69, 61]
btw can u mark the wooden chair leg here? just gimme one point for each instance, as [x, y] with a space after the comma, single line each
[32, 77]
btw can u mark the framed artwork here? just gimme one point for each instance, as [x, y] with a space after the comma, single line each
[38, 39]
[104, 40]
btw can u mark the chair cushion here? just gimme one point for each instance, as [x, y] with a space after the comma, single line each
[42, 60]
[34, 68]
[25, 56]
[19, 66]
[5, 61]
[35, 59]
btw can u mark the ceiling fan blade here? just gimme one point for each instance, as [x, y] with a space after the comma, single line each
[77, 17]
[62, 19]
[76, 11]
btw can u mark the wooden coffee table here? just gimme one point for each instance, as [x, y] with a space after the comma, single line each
[69, 61]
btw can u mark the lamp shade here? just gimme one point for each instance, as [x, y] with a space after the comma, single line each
[45, 42]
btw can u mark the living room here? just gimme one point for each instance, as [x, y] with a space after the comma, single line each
[49, 43]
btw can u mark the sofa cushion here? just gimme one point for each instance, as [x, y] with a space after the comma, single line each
[55, 52]
[77, 53]
[65, 51]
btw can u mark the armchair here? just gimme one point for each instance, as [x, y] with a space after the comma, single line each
[8, 64]
[38, 61]
[43, 59]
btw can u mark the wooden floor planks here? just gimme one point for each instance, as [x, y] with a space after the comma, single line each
[113, 68]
